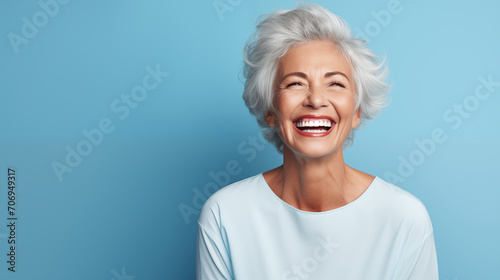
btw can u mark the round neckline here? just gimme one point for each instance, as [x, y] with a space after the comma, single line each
[365, 193]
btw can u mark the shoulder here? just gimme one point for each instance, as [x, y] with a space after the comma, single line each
[230, 199]
[405, 209]
[391, 197]
[235, 192]
[412, 229]
[399, 197]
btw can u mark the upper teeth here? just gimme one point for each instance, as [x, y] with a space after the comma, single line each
[315, 123]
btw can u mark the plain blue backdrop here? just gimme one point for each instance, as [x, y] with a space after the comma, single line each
[121, 117]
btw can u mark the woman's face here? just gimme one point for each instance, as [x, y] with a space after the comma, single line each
[314, 99]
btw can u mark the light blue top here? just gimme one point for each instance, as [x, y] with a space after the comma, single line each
[245, 232]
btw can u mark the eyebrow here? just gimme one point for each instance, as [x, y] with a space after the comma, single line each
[303, 75]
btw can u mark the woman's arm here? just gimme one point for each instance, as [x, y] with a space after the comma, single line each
[421, 262]
[212, 257]
[418, 259]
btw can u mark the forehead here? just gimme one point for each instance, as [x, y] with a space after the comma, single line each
[316, 57]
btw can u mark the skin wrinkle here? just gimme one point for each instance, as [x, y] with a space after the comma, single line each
[313, 176]
[304, 76]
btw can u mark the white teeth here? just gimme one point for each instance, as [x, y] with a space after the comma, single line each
[314, 130]
[315, 123]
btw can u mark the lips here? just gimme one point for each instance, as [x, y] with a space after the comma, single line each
[314, 126]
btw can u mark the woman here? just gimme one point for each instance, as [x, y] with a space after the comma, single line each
[310, 84]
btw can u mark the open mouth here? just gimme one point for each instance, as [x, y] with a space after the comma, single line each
[314, 125]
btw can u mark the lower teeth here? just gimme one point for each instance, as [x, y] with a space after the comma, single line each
[314, 130]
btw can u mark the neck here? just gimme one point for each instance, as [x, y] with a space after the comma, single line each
[315, 184]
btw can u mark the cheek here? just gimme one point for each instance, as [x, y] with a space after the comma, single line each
[286, 105]
[344, 105]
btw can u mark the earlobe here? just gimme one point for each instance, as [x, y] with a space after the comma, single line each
[270, 119]
[356, 118]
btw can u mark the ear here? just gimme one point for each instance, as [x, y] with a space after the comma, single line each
[270, 119]
[356, 118]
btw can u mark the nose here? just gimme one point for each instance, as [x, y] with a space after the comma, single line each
[315, 99]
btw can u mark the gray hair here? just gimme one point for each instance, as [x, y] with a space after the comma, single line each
[278, 32]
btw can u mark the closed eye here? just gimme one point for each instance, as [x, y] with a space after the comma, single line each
[337, 84]
[293, 84]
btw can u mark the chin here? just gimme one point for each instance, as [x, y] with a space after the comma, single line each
[315, 151]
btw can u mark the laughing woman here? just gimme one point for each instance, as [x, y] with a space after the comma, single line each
[310, 84]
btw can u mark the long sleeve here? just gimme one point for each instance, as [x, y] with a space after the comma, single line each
[421, 262]
[212, 259]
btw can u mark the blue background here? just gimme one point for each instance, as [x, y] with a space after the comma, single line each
[117, 214]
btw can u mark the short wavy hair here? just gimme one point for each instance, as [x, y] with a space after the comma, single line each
[278, 32]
